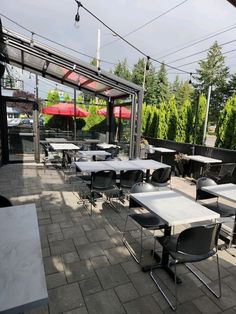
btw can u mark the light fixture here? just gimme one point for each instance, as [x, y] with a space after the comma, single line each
[148, 63]
[32, 40]
[77, 16]
[190, 79]
[99, 71]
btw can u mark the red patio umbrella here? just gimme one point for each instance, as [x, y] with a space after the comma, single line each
[65, 109]
[118, 112]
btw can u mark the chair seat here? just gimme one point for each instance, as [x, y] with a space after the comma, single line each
[170, 243]
[148, 220]
[222, 209]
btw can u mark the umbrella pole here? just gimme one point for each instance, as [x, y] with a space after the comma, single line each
[74, 114]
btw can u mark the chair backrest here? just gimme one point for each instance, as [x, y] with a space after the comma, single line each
[130, 177]
[226, 170]
[204, 182]
[4, 202]
[140, 187]
[199, 240]
[105, 179]
[161, 175]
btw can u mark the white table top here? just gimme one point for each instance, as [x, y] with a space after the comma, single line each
[148, 164]
[203, 159]
[227, 191]
[174, 208]
[89, 153]
[163, 150]
[91, 140]
[22, 278]
[56, 139]
[93, 166]
[106, 145]
[64, 146]
[119, 165]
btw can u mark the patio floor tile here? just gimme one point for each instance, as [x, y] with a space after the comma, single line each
[112, 276]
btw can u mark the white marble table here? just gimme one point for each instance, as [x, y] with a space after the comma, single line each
[163, 150]
[93, 166]
[227, 191]
[174, 208]
[203, 159]
[22, 278]
[56, 139]
[148, 164]
[64, 146]
[106, 145]
[91, 153]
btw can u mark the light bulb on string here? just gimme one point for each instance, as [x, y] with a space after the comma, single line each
[77, 16]
[190, 79]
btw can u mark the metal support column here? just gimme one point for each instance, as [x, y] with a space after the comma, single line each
[36, 132]
[139, 123]
[132, 127]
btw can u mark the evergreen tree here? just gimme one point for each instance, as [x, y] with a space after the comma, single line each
[162, 125]
[200, 119]
[138, 72]
[150, 86]
[122, 70]
[149, 116]
[185, 123]
[153, 126]
[162, 85]
[226, 127]
[214, 72]
[231, 86]
[172, 119]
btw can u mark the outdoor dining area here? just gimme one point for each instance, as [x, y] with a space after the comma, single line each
[90, 228]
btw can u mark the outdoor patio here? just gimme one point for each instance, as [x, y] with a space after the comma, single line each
[87, 267]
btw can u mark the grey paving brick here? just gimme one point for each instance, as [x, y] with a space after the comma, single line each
[143, 283]
[131, 267]
[55, 236]
[81, 240]
[55, 280]
[126, 292]
[97, 235]
[118, 254]
[63, 246]
[70, 257]
[142, 305]
[112, 276]
[53, 264]
[65, 298]
[104, 302]
[89, 250]
[79, 271]
[40, 310]
[99, 261]
[73, 232]
[45, 252]
[81, 310]
[205, 305]
[90, 286]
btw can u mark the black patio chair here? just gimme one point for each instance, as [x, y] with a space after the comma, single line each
[103, 183]
[4, 202]
[129, 178]
[222, 173]
[161, 177]
[146, 221]
[192, 245]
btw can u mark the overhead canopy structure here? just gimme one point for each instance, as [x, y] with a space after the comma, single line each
[72, 72]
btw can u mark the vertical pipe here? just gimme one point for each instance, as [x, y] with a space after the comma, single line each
[206, 118]
[98, 49]
[74, 114]
[36, 122]
[139, 122]
[132, 127]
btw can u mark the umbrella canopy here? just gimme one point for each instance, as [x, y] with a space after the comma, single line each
[118, 112]
[65, 109]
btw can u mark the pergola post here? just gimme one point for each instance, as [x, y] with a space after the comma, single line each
[36, 132]
[139, 122]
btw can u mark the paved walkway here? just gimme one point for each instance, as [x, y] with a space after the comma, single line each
[88, 270]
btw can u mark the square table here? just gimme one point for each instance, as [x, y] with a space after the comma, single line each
[163, 150]
[203, 160]
[174, 209]
[64, 146]
[92, 153]
[22, 277]
[93, 166]
[148, 164]
[228, 192]
[56, 139]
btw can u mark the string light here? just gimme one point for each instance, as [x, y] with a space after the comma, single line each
[148, 63]
[77, 16]
[190, 79]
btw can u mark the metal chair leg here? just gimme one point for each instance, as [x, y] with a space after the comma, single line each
[205, 284]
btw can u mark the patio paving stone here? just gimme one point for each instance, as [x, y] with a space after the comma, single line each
[53, 264]
[79, 271]
[126, 292]
[70, 257]
[65, 298]
[90, 286]
[55, 280]
[97, 235]
[99, 261]
[142, 305]
[104, 302]
[63, 246]
[89, 250]
[112, 276]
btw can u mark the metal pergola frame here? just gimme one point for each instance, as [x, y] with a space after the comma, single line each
[72, 72]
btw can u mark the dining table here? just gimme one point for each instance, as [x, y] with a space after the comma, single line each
[174, 209]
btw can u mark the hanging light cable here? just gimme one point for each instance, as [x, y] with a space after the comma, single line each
[77, 16]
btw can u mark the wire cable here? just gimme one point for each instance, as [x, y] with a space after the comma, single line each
[145, 24]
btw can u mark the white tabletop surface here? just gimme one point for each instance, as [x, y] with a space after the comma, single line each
[64, 146]
[174, 208]
[22, 278]
[56, 139]
[93, 166]
[120, 165]
[88, 153]
[227, 191]
[149, 164]
[203, 159]
[106, 145]
[163, 150]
